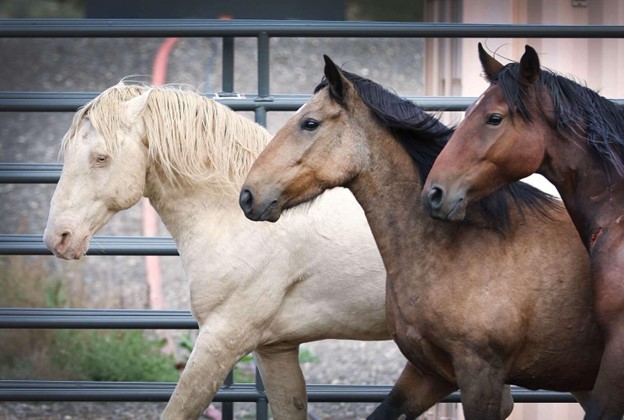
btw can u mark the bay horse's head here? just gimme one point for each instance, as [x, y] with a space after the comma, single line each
[317, 149]
[103, 173]
[496, 143]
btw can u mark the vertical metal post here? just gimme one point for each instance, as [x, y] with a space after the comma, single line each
[227, 408]
[228, 65]
[262, 404]
[261, 116]
[263, 65]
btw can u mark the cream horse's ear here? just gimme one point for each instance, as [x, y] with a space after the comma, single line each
[136, 106]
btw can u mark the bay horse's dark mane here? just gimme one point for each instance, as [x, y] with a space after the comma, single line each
[424, 136]
[578, 111]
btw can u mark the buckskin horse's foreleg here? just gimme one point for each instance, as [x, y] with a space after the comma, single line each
[481, 385]
[582, 397]
[413, 394]
[283, 380]
[214, 354]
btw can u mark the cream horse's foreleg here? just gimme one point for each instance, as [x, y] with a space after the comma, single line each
[284, 382]
[206, 369]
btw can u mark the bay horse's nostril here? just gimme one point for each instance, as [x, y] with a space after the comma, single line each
[246, 200]
[435, 197]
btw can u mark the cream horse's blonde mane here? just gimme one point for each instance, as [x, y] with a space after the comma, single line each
[192, 138]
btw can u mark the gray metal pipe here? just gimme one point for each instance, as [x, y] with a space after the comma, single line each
[101, 28]
[30, 244]
[161, 391]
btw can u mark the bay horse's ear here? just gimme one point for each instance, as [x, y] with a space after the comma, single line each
[490, 66]
[136, 106]
[529, 65]
[335, 80]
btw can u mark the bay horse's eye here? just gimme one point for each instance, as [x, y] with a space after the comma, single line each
[310, 124]
[495, 119]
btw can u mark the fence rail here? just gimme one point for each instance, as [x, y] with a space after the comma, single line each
[71, 101]
[260, 102]
[161, 391]
[30, 244]
[144, 319]
[137, 28]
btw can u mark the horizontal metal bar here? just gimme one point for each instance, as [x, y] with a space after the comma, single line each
[60, 318]
[30, 173]
[31, 244]
[71, 101]
[11, 390]
[290, 28]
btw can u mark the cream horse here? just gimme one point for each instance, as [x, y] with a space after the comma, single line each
[317, 274]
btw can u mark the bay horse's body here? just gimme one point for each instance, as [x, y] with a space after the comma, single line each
[253, 287]
[532, 120]
[472, 306]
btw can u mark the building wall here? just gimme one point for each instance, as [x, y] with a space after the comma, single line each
[597, 62]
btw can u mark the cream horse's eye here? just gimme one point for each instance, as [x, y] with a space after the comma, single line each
[100, 160]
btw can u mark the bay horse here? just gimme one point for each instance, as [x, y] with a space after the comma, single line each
[472, 306]
[253, 287]
[533, 120]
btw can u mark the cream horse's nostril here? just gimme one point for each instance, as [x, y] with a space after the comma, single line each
[63, 242]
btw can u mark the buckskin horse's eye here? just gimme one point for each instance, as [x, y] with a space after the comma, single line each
[310, 124]
[495, 119]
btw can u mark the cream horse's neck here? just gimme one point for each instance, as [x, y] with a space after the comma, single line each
[195, 166]
[189, 208]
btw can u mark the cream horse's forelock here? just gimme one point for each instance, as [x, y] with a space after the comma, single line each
[193, 139]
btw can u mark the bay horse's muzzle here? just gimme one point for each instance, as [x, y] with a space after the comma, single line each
[441, 206]
[256, 210]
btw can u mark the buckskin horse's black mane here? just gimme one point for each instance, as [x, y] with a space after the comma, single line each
[424, 136]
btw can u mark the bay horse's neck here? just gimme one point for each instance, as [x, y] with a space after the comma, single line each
[592, 192]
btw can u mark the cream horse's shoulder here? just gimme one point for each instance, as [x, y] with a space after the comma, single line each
[336, 218]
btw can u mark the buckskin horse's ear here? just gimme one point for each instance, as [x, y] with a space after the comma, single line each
[490, 66]
[529, 65]
[335, 80]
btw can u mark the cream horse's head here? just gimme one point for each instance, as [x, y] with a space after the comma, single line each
[103, 172]
[198, 146]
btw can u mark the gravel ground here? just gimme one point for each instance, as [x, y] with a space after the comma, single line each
[115, 282]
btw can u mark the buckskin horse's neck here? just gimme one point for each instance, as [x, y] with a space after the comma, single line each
[591, 193]
[388, 190]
